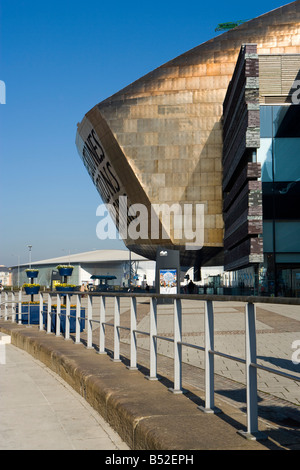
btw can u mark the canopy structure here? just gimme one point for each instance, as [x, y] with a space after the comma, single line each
[103, 277]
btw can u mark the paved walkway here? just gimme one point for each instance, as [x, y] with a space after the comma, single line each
[39, 411]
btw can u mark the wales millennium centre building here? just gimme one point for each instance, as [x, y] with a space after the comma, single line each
[202, 155]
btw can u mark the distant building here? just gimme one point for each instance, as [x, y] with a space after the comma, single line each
[5, 276]
[114, 263]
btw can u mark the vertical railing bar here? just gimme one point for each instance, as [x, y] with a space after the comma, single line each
[41, 325]
[251, 375]
[89, 322]
[13, 307]
[177, 388]
[49, 314]
[252, 416]
[29, 311]
[116, 357]
[5, 305]
[102, 326]
[209, 359]
[78, 320]
[153, 340]
[20, 307]
[133, 343]
[58, 314]
[68, 319]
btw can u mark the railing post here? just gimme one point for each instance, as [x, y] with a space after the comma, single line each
[13, 307]
[133, 322]
[68, 319]
[209, 359]
[41, 325]
[78, 315]
[251, 372]
[153, 340]
[102, 326]
[5, 305]
[251, 376]
[20, 307]
[58, 315]
[89, 322]
[177, 347]
[49, 314]
[116, 330]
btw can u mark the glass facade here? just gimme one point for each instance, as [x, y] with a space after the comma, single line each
[279, 155]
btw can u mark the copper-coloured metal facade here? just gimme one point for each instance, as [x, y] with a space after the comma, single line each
[160, 140]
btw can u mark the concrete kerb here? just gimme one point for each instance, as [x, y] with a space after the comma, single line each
[146, 417]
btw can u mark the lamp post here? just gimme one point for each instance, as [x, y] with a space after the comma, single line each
[29, 246]
[18, 271]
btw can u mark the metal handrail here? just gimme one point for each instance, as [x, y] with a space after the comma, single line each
[250, 362]
[171, 340]
[212, 297]
[275, 371]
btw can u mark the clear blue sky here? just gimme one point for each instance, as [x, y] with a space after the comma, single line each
[58, 59]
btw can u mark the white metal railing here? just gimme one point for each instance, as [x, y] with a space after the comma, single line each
[250, 361]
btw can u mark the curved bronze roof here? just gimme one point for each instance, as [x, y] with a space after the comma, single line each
[159, 140]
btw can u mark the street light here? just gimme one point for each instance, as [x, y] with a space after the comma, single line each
[29, 246]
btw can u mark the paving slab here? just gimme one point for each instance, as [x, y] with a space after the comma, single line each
[39, 411]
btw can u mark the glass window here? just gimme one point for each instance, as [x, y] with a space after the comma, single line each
[288, 258]
[287, 159]
[266, 121]
[287, 237]
[286, 121]
[264, 157]
[268, 236]
[279, 114]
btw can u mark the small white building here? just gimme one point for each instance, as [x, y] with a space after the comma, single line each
[5, 276]
[92, 263]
